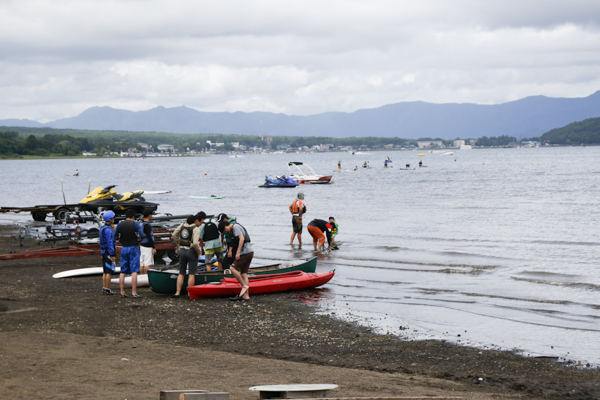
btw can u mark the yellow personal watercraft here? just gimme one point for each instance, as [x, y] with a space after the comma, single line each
[100, 193]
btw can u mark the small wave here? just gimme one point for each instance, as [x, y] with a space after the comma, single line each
[391, 248]
[382, 282]
[435, 291]
[449, 301]
[466, 270]
[564, 242]
[546, 273]
[580, 285]
[491, 296]
[477, 267]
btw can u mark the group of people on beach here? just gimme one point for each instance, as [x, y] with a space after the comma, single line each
[319, 229]
[196, 235]
[201, 234]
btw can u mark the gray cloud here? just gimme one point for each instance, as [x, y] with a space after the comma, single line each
[296, 57]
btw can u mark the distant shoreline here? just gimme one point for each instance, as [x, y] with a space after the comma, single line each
[82, 157]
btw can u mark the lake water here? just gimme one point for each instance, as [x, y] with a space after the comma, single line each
[493, 248]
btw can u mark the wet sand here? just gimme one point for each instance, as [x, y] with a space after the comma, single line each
[61, 338]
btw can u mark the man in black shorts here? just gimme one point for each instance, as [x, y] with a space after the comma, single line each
[187, 237]
[241, 251]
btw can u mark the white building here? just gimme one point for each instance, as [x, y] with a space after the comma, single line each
[166, 148]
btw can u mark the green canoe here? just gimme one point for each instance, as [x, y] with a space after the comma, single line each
[165, 281]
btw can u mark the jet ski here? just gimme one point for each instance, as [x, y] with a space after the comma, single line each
[280, 181]
[109, 199]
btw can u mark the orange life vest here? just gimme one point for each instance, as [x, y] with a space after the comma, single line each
[297, 205]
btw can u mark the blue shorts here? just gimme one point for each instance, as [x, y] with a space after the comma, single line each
[130, 259]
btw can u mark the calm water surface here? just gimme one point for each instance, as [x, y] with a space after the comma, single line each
[496, 248]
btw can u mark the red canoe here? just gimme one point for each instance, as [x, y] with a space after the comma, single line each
[260, 284]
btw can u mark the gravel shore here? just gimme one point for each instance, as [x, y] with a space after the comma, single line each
[220, 345]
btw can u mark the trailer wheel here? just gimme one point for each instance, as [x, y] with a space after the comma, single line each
[160, 253]
[61, 214]
[173, 254]
[38, 216]
[93, 233]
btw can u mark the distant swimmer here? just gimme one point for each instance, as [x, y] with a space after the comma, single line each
[385, 163]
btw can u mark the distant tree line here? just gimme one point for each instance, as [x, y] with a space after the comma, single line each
[500, 141]
[72, 142]
[21, 141]
[14, 143]
[583, 132]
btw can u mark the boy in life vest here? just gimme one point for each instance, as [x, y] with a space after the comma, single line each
[211, 243]
[298, 209]
[187, 238]
[334, 231]
[107, 250]
[147, 249]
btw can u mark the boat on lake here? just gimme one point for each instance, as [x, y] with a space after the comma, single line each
[303, 173]
[165, 280]
[261, 284]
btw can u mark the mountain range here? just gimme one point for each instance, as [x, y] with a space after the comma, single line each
[527, 117]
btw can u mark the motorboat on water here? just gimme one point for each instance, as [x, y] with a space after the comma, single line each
[303, 173]
[280, 181]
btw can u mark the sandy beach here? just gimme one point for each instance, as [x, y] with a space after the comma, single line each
[64, 339]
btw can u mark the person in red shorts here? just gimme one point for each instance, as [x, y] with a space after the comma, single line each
[319, 230]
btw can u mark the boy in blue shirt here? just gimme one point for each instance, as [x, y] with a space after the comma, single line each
[107, 250]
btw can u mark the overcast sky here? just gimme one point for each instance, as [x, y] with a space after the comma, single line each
[57, 58]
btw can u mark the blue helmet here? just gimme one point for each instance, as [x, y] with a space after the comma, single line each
[108, 215]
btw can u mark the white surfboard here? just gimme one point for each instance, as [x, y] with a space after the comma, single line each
[80, 272]
[156, 191]
[142, 280]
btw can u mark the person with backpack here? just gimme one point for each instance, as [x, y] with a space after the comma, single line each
[297, 208]
[147, 249]
[240, 253]
[211, 243]
[187, 239]
[107, 250]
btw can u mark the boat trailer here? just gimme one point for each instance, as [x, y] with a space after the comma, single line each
[162, 247]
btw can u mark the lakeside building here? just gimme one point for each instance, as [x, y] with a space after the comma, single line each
[169, 148]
